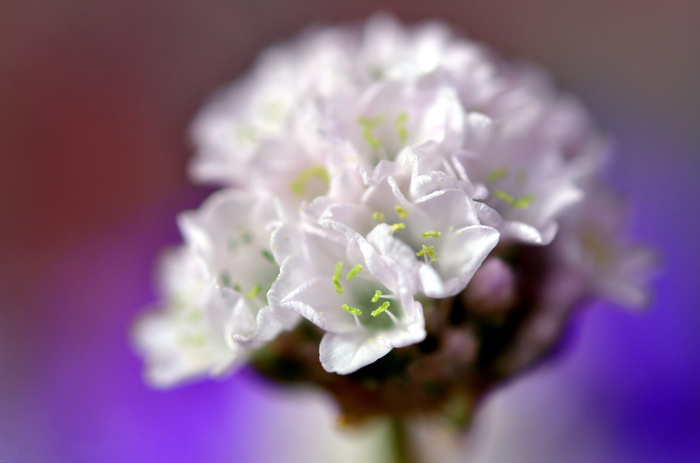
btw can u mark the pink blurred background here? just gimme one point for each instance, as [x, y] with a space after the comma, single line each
[95, 101]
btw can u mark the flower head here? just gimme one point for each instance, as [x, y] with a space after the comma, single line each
[401, 215]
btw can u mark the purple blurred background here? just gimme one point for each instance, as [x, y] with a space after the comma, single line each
[95, 99]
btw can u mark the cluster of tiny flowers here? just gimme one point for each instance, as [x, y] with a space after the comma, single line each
[367, 177]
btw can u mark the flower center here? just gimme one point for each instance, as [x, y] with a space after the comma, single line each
[364, 299]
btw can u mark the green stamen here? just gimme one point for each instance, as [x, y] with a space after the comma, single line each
[497, 174]
[381, 308]
[352, 310]
[367, 125]
[401, 126]
[268, 255]
[503, 196]
[377, 295]
[401, 211]
[355, 270]
[254, 292]
[431, 234]
[298, 185]
[336, 278]
[428, 251]
[378, 216]
[371, 139]
[524, 202]
[397, 226]
[225, 279]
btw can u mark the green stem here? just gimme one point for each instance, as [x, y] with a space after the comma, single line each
[401, 442]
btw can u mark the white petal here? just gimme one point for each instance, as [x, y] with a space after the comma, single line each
[348, 352]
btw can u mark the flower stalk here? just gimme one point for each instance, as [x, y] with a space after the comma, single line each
[401, 443]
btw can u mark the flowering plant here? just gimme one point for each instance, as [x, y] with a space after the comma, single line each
[404, 220]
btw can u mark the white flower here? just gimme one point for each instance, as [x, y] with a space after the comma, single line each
[593, 247]
[527, 182]
[436, 238]
[383, 118]
[360, 297]
[187, 338]
[390, 52]
[231, 234]
[240, 120]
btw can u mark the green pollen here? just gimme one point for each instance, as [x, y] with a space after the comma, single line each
[377, 295]
[368, 124]
[300, 182]
[371, 140]
[497, 174]
[524, 202]
[401, 126]
[336, 277]
[225, 279]
[403, 135]
[355, 270]
[237, 288]
[428, 251]
[503, 196]
[397, 226]
[268, 255]
[254, 292]
[401, 211]
[378, 216]
[352, 310]
[431, 234]
[381, 308]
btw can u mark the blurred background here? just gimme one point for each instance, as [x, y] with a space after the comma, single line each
[95, 101]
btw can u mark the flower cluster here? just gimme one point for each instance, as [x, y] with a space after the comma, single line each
[381, 188]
